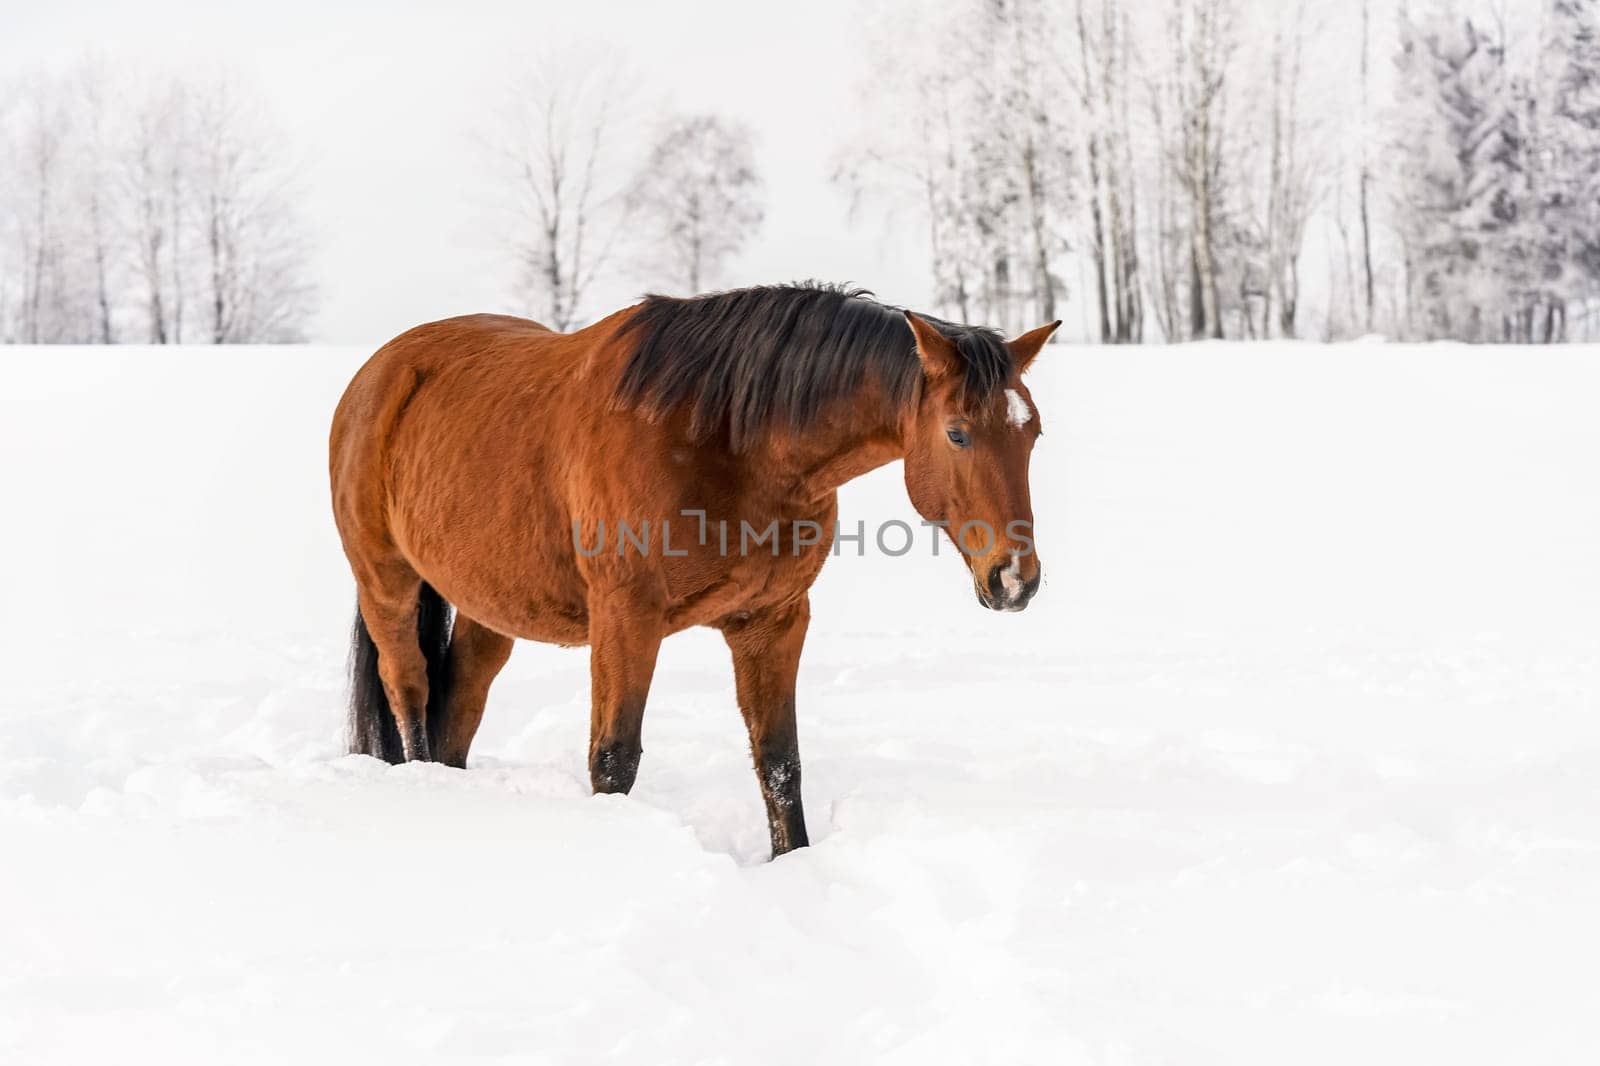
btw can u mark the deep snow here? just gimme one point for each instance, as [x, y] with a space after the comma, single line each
[1296, 757]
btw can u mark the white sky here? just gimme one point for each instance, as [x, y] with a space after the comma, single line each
[384, 100]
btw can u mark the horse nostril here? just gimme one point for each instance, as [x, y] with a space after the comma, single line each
[997, 585]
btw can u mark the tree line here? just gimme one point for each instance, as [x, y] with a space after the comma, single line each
[146, 212]
[1180, 160]
[1173, 170]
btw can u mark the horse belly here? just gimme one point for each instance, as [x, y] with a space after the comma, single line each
[500, 564]
[514, 607]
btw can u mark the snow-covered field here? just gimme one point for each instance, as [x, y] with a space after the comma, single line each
[1295, 759]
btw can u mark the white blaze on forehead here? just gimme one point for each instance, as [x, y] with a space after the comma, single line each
[1017, 410]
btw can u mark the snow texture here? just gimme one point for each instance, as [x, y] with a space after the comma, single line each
[1293, 759]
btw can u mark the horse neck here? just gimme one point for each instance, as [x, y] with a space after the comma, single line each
[840, 446]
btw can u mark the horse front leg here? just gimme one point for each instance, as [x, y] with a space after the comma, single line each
[626, 626]
[766, 659]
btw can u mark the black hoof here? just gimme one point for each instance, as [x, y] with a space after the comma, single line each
[613, 769]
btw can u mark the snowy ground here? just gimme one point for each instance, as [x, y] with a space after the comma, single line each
[1295, 759]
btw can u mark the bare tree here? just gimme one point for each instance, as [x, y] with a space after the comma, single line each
[38, 156]
[916, 162]
[219, 246]
[255, 283]
[978, 147]
[561, 145]
[699, 195]
[98, 196]
[1189, 108]
[1035, 142]
[1104, 53]
[153, 175]
[1366, 162]
[1203, 36]
[162, 204]
[1292, 190]
[57, 234]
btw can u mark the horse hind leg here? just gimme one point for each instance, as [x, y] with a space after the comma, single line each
[408, 626]
[477, 654]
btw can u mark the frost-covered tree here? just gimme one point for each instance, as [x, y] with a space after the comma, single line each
[40, 224]
[1567, 149]
[1101, 81]
[134, 208]
[1353, 165]
[101, 206]
[1456, 152]
[1454, 192]
[699, 198]
[979, 145]
[1190, 108]
[918, 164]
[155, 180]
[1031, 146]
[1496, 198]
[1292, 171]
[252, 252]
[1364, 186]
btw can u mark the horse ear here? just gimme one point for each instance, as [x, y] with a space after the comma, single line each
[939, 356]
[1025, 347]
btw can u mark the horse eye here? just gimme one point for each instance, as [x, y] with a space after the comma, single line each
[958, 438]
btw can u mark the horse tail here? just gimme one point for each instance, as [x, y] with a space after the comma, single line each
[371, 724]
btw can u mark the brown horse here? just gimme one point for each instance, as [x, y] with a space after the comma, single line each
[673, 465]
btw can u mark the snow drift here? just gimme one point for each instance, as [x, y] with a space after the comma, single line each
[1294, 758]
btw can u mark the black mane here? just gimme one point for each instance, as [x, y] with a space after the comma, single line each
[777, 354]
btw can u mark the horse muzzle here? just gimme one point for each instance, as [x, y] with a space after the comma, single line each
[1006, 589]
